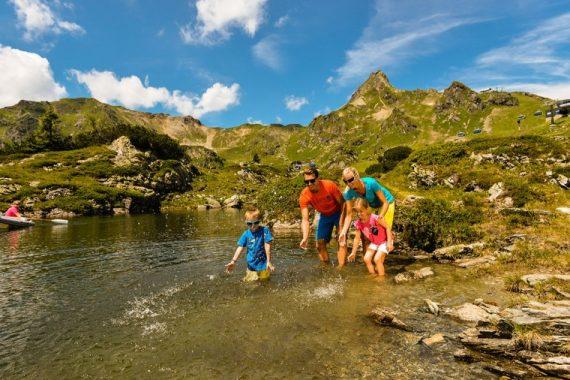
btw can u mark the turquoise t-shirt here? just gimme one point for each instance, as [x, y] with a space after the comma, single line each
[256, 257]
[371, 186]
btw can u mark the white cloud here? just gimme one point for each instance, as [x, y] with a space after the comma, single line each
[131, 92]
[323, 111]
[278, 119]
[558, 90]
[537, 61]
[37, 18]
[330, 80]
[267, 52]
[282, 21]
[402, 42]
[250, 120]
[160, 33]
[294, 103]
[541, 50]
[25, 75]
[216, 18]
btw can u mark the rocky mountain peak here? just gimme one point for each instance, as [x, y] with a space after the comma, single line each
[377, 84]
[458, 95]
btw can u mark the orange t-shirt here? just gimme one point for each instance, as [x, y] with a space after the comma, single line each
[324, 200]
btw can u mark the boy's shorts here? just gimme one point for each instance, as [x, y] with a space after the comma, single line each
[252, 275]
[379, 248]
[325, 226]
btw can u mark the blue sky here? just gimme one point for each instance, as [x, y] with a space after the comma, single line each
[232, 61]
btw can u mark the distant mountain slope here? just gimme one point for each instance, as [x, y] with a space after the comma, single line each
[82, 114]
[376, 117]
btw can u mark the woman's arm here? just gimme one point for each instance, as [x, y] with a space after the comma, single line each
[384, 201]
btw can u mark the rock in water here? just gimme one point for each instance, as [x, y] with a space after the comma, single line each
[413, 275]
[437, 338]
[387, 317]
[510, 373]
[469, 312]
[468, 263]
[432, 306]
[464, 356]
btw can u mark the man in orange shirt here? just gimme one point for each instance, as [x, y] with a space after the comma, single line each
[325, 197]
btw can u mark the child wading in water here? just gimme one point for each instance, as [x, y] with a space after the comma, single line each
[374, 230]
[257, 239]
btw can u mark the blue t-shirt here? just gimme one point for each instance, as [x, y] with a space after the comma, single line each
[371, 186]
[254, 241]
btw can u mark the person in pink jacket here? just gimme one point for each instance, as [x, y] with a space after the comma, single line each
[371, 230]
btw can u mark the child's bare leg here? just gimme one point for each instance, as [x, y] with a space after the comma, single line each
[322, 249]
[368, 260]
[379, 261]
[390, 243]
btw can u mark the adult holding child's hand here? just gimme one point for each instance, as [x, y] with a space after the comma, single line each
[377, 196]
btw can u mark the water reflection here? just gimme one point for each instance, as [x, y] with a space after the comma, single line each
[147, 296]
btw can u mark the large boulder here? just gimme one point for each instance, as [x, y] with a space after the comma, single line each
[476, 312]
[422, 178]
[233, 202]
[57, 193]
[127, 154]
[496, 191]
[9, 188]
[537, 278]
[413, 275]
[458, 251]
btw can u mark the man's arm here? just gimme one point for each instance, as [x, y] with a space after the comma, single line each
[305, 227]
[231, 265]
[347, 221]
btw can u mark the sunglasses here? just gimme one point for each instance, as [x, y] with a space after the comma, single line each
[310, 181]
[254, 223]
[347, 181]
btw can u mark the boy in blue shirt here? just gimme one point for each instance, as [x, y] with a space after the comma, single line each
[257, 239]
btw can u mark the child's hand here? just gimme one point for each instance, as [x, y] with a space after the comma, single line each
[270, 267]
[351, 257]
[390, 245]
[230, 266]
[342, 239]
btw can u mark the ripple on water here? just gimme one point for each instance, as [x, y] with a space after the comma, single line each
[144, 311]
[329, 290]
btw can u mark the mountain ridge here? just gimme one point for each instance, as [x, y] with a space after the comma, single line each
[377, 114]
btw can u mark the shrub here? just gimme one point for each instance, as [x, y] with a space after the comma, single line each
[440, 154]
[431, 224]
[521, 192]
[389, 160]
[162, 146]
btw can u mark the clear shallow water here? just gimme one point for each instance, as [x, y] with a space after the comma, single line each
[146, 297]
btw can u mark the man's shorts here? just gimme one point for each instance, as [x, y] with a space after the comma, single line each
[326, 225]
[383, 247]
[252, 275]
